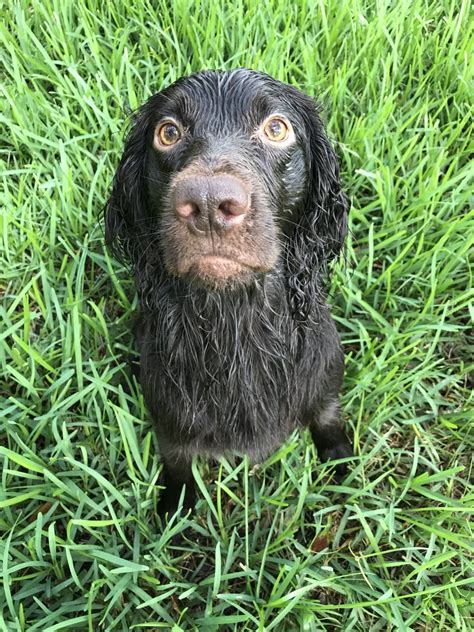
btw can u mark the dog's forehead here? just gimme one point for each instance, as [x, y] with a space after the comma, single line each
[225, 99]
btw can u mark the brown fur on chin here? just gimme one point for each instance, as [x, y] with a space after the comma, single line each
[219, 273]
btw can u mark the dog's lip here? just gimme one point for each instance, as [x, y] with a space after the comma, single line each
[222, 265]
[222, 258]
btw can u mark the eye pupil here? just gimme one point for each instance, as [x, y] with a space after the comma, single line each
[275, 128]
[170, 132]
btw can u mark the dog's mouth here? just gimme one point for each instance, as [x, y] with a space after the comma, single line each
[220, 270]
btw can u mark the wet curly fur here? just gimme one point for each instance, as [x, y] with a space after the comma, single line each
[238, 365]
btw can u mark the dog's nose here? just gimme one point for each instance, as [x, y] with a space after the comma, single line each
[219, 201]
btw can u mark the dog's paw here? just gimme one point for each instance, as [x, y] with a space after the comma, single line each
[169, 502]
[333, 453]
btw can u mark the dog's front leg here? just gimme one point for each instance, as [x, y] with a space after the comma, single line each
[329, 437]
[177, 472]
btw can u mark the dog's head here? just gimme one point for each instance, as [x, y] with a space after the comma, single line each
[226, 176]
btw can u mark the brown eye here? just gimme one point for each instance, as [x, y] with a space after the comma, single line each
[168, 134]
[276, 129]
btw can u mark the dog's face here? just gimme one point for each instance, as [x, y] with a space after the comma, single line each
[220, 172]
[226, 170]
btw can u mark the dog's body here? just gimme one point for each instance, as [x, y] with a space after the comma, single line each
[227, 202]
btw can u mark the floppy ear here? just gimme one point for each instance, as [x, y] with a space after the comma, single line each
[126, 208]
[319, 237]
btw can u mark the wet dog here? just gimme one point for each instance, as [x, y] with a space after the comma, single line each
[228, 206]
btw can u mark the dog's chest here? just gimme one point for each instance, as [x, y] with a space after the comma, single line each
[227, 385]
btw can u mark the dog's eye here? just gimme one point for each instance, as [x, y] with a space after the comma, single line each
[168, 134]
[276, 129]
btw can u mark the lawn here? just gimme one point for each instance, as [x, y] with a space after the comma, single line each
[280, 546]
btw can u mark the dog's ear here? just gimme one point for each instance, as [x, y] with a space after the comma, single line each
[319, 237]
[126, 209]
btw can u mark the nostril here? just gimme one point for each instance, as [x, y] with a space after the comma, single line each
[227, 209]
[188, 210]
[232, 209]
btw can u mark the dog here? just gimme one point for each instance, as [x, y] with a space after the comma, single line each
[228, 207]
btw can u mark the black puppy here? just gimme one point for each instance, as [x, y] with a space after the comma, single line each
[228, 205]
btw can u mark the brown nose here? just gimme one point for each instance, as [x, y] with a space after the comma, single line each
[220, 202]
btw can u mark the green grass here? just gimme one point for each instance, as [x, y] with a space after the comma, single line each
[281, 546]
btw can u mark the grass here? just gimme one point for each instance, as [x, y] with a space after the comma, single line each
[278, 547]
